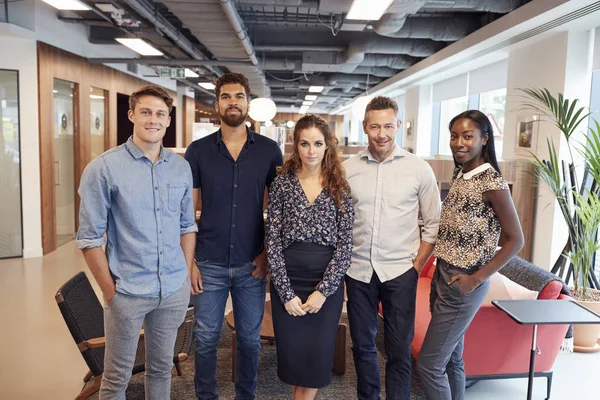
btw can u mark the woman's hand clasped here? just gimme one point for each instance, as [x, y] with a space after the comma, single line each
[294, 307]
[314, 302]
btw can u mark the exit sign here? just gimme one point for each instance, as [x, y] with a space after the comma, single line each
[172, 72]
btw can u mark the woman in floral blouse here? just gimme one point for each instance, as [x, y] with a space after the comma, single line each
[309, 244]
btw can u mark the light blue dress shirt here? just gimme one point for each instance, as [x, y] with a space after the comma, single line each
[143, 209]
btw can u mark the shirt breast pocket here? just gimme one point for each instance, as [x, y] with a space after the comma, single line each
[176, 193]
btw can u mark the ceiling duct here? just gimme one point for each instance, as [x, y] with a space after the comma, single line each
[494, 6]
[394, 23]
[218, 26]
[435, 28]
[161, 23]
[282, 3]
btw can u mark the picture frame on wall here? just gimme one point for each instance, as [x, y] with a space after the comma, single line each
[526, 134]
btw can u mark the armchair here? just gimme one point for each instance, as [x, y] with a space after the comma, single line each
[84, 317]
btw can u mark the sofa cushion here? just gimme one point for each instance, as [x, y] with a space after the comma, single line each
[502, 288]
[551, 291]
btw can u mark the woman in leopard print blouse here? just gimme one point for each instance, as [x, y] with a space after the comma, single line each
[478, 207]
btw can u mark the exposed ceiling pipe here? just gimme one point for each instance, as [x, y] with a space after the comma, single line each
[391, 61]
[382, 72]
[282, 3]
[355, 54]
[276, 48]
[395, 23]
[495, 6]
[142, 8]
[442, 29]
[237, 24]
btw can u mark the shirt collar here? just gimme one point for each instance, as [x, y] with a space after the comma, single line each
[137, 153]
[397, 153]
[472, 173]
[248, 131]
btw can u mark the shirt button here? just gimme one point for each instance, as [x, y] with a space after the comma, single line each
[158, 209]
[160, 252]
[235, 165]
[160, 232]
[155, 187]
[231, 246]
[234, 185]
[233, 226]
[235, 205]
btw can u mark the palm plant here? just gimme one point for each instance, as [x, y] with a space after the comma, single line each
[579, 201]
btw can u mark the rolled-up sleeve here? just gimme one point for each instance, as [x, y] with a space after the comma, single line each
[95, 193]
[429, 204]
[188, 220]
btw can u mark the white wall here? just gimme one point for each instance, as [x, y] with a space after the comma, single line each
[21, 46]
[560, 64]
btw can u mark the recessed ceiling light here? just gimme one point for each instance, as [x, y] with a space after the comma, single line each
[72, 5]
[139, 46]
[207, 85]
[190, 74]
[307, 103]
[97, 97]
[310, 97]
[316, 89]
[368, 10]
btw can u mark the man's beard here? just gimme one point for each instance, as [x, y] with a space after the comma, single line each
[233, 120]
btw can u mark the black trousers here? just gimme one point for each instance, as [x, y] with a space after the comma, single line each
[398, 298]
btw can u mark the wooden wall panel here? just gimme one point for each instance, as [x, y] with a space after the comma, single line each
[55, 63]
[189, 117]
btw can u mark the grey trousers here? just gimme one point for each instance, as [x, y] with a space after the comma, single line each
[440, 362]
[123, 320]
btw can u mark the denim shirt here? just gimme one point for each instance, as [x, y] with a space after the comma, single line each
[144, 209]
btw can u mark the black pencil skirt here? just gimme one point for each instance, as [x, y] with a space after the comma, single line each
[305, 345]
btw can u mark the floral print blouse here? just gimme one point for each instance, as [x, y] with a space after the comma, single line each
[291, 218]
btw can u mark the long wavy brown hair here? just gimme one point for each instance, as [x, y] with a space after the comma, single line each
[332, 171]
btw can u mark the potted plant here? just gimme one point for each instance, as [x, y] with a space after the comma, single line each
[578, 200]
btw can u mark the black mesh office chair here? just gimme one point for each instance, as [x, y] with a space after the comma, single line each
[83, 315]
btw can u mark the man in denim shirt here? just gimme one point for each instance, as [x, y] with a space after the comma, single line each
[140, 195]
[232, 169]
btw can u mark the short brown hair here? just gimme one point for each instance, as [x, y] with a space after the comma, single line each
[150, 90]
[381, 103]
[229, 78]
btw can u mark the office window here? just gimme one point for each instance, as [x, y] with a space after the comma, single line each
[11, 239]
[493, 104]
[448, 109]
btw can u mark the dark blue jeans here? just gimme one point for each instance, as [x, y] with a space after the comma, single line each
[248, 297]
[397, 297]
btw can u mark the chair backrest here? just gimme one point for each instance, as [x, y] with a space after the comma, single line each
[84, 317]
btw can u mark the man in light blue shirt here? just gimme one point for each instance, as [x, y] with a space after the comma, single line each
[140, 195]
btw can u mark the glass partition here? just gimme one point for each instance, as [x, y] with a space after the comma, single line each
[11, 237]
